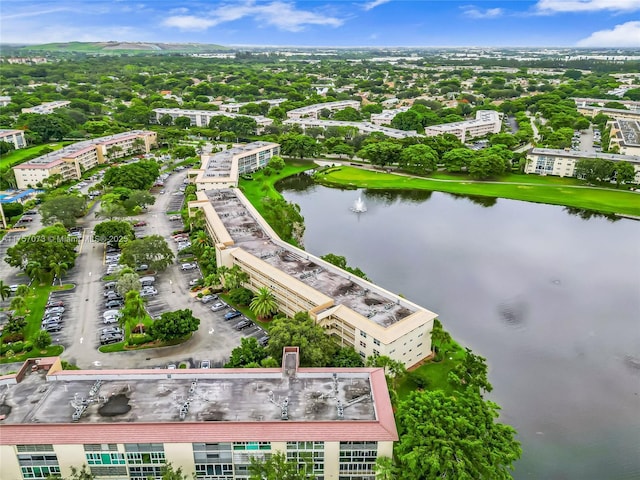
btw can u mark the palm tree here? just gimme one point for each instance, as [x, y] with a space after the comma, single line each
[22, 290]
[264, 304]
[59, 269]
[133, 307]
[201, 239]
[35, 271]
[18, 303]
[5, 290]
[384, 468]
[197, 221]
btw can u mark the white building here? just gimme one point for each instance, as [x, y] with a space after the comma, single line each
[385, 117]
[362, 127]
[313, 111]
[222, 169]
[4, 101]
[486, 121]
[46, 108]
[201, 118]
[16, 137]
[235, 107]
[625, 134]
[562, 163]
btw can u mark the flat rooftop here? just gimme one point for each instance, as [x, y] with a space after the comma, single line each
[247, 233]
[581, 154]
[630, 131]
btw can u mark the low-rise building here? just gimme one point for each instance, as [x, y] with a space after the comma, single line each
[235, 107]
[562, 163]
[313, 111]
[201, 118]
[362, 127]
[486, 121]
[386, 116]
[72, 160]
[625, 134]
[15, 137]
[46, 108]
[615, 113]
[4, 100]
[221, 169]
[585, 102]
[210, 423]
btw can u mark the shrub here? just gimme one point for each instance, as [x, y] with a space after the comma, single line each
[28, 346]
[13, 337]
[139, 339]
[17, 346]
[241, 296]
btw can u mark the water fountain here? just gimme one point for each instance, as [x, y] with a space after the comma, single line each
[359, 206]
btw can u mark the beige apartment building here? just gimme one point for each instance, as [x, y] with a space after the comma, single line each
[222, 169]
[616, 113]
[486, 121]
[562, 163]
[72, 160]
[128, 424]
[15, 137]
[357, 313]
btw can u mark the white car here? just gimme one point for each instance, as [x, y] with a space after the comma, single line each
[112, 313]
[188, 266]
[194, 282]
[148, 293]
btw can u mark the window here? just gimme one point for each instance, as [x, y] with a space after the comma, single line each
[362, 354]
[358, 458]
[363, 344]
[308, 455]
[105, 458]
[252, 446]
[38, 465]
[376, 353]
[362, 334]
[376, 341]
[145, 472]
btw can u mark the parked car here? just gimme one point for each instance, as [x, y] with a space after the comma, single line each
[171, 366]
[218, 306]
[111, 331]
[232, 314]
[147, 281]
[111, 295]
[54, 310]
[208, 298]
[140, 224]
[110, 320]
[112, 313]
[174, 218]
[205, 364]
[113, 303]
[194, 282]
[110, 285]
[108, 339]
[188, 266]
[142, 268]
[242, 324]
[148, 293]
[264, 340]
[52, 304]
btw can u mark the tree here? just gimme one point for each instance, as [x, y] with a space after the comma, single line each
[112, 232]
[174, 325]
[276, 467]
[183, 151]
[316, 348]
[420, 159]
[36, 252]
[182, 122]
[65, 209]
[439, 336]
[6, 147]
[471, 373]
[381, 153]
[277, 163]
[298, 145]
[152, 250]
[58, 269]
[249, 352]
[625, 173]
[42, 339]
[133, 308]
[18, 303]
[111, 210]
[138, 198]
[347, 357]
[166, 120]
[458, 159]
[134, 176]
[453, 437]
[36, 271]
[5, 291]
[233, 277]
[264, 304]
[128, 282]
[385, 469]
[48, 126]
[392, 368]
[168, 473]
[348, 114]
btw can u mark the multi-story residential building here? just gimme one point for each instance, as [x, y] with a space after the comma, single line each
[356, 312]
[385, 117]
[46, 108]
[585, 102]
[72, 160]
[221, 170]
[201, 118]
[486, 121]
[625, 134]
[548, 161]
[235, 107]
[15, 137]
[128, 424]
[615, 113]
[313, 111]
[362, 127]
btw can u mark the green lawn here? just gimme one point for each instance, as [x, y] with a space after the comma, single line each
[50, 351]
[262, 186]
[600, 200]
[18, 156]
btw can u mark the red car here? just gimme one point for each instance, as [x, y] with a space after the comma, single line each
[140, 224]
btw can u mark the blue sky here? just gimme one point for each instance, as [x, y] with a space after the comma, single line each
[586, 23]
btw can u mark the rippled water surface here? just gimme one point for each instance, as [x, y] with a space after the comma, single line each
[551, 298]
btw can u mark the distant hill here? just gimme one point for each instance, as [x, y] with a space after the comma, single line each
[120, 47]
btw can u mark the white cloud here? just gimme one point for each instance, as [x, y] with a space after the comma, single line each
[189, 22]
[373, 4]
[280, 14]
[558, 6]
[181, 10]
[475, 12]
[623, 35]
[35, 13]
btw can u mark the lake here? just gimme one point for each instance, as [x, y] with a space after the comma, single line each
[551, 298]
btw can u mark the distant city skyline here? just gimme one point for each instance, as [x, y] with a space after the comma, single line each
[364, 23]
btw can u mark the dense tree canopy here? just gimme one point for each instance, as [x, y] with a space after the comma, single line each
[151, 250]
[113, 232]
[64, 209]
[135, 176]
[172, 325]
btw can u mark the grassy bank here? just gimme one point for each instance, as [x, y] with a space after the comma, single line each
[535, 189]
[18, 156]
[264, 186]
